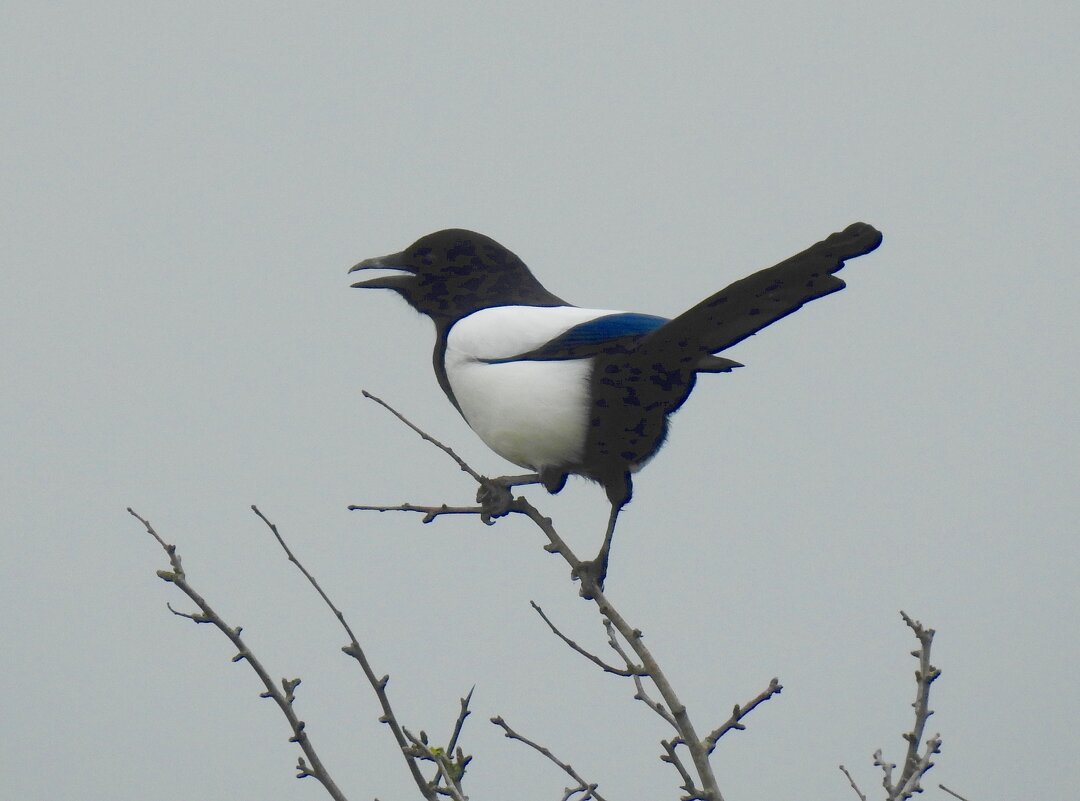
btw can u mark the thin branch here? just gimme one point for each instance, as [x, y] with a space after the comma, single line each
[634, 638]
[734, 722]
[854, 786]
[924, 677]
[640, 693]
[916, 764]
[886, 769]
[353, 649]
[284, 700]
[587, 790]
[630, 670]
[671, 757]
[429, 512]
[448, 774]
[464, 713]
[953, 793]
[426, 437]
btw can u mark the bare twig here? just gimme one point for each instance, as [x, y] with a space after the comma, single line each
[920, 752]
[854, 786]
[312, 765]
[426, 437]
[448, 774]
[460, 722]
[740, 712]
[924, 677]
[672, 758]
[451, 762]
[953, 793]
[353, 649]
[640, 693]
[429, 512]
[710, 790]
[587, 790]
[630, 670]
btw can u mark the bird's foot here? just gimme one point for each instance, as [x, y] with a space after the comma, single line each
[495, 499]
[591, 574]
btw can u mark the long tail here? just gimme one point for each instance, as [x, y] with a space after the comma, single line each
[759, 300]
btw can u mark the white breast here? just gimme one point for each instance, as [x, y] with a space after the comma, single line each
[533, 413]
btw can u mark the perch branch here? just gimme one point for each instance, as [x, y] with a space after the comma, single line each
[496, 501]
[429, 512]
[710, 791]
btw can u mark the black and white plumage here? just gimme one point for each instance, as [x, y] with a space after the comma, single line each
[563, 390]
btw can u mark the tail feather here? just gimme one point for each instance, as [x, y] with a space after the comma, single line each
[759, 300]
[716, 364]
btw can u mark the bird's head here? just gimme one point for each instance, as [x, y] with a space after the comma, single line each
[449, 274]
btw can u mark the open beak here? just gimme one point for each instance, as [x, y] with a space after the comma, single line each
[395, 261]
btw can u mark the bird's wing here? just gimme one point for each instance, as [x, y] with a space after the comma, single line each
[759, 300]
[594, 336]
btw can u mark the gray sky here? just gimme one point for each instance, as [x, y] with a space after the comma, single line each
[186, 185]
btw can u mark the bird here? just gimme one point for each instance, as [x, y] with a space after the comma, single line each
[563, 390]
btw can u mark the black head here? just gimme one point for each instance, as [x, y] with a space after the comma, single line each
[449, 274]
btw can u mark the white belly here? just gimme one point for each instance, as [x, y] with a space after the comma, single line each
[533, 413]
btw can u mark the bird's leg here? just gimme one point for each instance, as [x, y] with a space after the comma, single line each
[518, 481]
[593, 573]
[494, 494]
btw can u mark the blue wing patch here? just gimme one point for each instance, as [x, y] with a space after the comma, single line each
[608, 327]
[589, 338]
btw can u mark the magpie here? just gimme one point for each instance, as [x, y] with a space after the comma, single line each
[561, 390]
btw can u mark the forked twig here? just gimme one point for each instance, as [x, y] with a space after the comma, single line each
[630, 670]
[916, 764]
[672, 709]
[587, 790]
[283, 697]
[353, 649]
[640, 693]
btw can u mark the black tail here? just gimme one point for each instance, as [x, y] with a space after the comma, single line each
[759, 300]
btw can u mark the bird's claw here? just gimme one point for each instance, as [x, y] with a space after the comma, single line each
[591, 574]
[495, 500]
